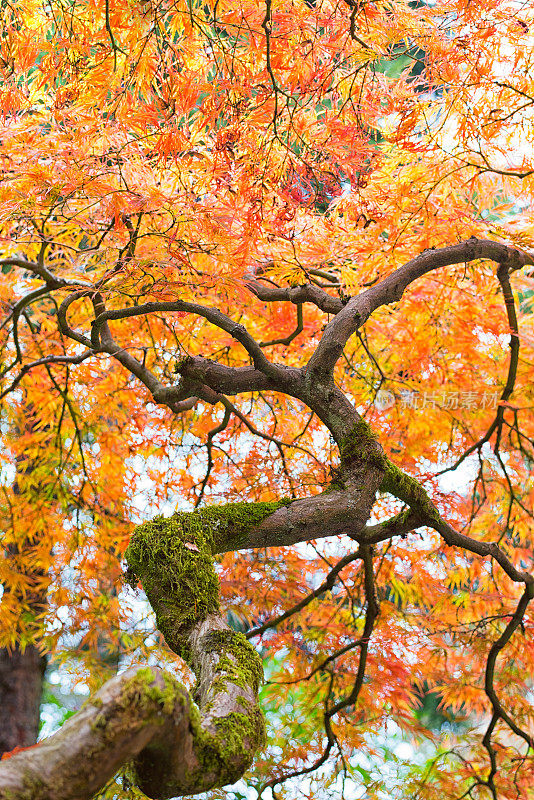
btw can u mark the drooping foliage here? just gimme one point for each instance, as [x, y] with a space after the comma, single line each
[193, 192]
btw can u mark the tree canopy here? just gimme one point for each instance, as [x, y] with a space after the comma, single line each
[266, 352]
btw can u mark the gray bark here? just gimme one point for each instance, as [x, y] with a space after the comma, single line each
[146, 715]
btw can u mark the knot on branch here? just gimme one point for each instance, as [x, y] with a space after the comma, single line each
[238, 331]
[181, 363]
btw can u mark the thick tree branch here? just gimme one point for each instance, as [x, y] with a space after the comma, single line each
[196, 370]
[114, 726]
[199, 375]
[145, 715]
[390, 290]
[185, 405]
[327, 514]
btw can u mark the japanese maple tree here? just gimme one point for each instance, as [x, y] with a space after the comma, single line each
[267, 266]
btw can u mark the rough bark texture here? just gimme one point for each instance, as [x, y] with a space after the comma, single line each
[144, 716]
[21, 679]
[90, 747]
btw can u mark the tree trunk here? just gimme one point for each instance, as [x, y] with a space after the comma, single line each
[21, 681]
[143, 717]
[22, 671]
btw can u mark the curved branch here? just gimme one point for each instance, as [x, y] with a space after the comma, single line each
[497, 646]
[228, 380]
[213, 315]
[194, 370]
[497, 423]
[363, 446]
[399, 525]
[504, 280]
[455, 539]
[40, 362]
[200, 375]
[185, 405]
[265, 436]
[309, 293]
[410, 491]
[293, 335]
[52, 282]
[16, 312]
[371, 616]
[102, 342]
[328, 514]
[63, 323]
[131, 705]
[390, 290]
[209, 446]
[325, 586]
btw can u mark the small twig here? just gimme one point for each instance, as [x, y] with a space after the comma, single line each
[114, 45]
[288, 339]
[327, 584]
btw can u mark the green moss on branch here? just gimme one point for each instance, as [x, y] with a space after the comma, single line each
[407, 489]
[173, 559]
[361, 448]
[225, 747]
[238, 661]
[229, 750]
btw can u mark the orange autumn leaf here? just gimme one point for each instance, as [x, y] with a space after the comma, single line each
[207, 215]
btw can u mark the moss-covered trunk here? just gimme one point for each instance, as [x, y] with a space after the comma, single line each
[144, 717]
